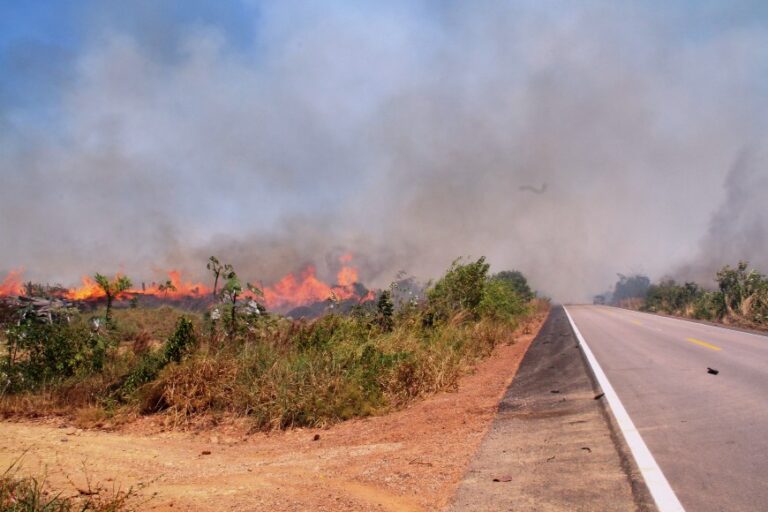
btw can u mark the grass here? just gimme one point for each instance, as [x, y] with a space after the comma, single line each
[31, 494]
[276, 371]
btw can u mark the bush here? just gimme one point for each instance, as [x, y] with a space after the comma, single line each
[518, 282]
[501, 301]
[742, 297]
[39, 352]
[459, 290]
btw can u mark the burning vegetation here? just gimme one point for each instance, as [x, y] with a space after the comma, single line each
[302, 293]
[358, 353]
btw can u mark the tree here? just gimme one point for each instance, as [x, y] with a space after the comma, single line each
[518, 282]
[630, 287]
[166, 287]
[112, 289]
[385, 309]
[218, 270]
[230, 293]
[460, 289]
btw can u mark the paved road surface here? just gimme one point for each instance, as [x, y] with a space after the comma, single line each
[708, 433]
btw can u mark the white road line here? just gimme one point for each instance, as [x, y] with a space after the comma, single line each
[663, 495]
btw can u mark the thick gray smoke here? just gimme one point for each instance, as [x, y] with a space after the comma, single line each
[402, 132]
[739, 228]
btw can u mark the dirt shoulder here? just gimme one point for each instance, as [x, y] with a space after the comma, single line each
[410, 460]
[552, 446]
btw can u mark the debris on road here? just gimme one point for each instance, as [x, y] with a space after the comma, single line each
[598, 397]
[712, 371]
[503, 479]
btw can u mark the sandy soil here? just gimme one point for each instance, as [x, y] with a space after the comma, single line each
[411, 460]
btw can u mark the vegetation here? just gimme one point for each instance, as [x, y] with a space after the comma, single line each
[741, 298]
[112, 289]
[277, 371]
[30, 494]
[629, 289]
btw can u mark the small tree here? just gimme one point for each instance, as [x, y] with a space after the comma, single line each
[230, 293]
[460, 289]
[218, 271]
[385, 309]
[112, 289]
[518, 282]
[166, 287]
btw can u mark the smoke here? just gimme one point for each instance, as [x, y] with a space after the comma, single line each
[738, 229]
[403, 133]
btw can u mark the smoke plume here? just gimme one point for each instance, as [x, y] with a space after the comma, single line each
[402, 132]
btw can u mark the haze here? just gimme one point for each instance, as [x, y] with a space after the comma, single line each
[146, 136]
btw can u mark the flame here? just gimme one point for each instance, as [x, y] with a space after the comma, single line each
[291, 291]
[182, 289]
[88, 291]
[12, 284]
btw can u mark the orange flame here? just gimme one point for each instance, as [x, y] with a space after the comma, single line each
[289, 292]
[88, 291]
[11, 284]
[180, 288]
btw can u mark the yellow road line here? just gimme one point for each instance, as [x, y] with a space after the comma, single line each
[703, 343]
[636, 322]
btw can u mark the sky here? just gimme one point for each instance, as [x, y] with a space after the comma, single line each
[148, 135]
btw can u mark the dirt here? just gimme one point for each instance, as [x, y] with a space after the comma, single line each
[411, 460]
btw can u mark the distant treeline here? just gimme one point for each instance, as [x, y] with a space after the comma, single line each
[741, 296]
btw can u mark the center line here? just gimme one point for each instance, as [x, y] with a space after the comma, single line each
[703, 343]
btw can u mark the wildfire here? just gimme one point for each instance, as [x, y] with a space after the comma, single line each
[291, 291]
[178, 289]
[11, 285]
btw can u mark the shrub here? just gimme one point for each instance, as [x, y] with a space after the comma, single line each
[39, 352]
[460, 289]
[518, 282]
[501, 301]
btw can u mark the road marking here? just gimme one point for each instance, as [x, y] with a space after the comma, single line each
[636, 322]
[663, 495]
[703, 343]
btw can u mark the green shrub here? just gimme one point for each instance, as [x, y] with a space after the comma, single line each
[501, 301]
[460, 289]
[38, 352]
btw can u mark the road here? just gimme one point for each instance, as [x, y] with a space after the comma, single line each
[708, 433]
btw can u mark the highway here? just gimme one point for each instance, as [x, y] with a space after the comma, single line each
[708, 433]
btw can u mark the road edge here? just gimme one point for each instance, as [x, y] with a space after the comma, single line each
[655, 481]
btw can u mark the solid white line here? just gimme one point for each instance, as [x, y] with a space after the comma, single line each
[663, 495]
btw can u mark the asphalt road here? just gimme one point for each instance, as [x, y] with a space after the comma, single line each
[708, 433]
